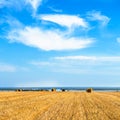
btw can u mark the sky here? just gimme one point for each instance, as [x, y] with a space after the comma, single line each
[59, 43]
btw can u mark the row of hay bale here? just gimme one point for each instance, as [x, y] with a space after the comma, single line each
[89, 90]
[54, 89]
[20, 90]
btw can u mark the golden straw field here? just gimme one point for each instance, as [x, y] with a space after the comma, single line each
[59, 106]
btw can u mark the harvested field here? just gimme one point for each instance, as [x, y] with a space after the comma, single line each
[59, 106]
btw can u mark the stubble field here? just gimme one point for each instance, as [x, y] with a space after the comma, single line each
[59, 106]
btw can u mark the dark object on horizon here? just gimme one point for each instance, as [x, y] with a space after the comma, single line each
[43, 90]
[19, 90]
[63, 90]
[89, 90]
[53, 89]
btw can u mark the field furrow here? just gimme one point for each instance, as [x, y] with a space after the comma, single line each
[59, 106]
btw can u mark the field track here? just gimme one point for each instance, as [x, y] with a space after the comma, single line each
[59, 106]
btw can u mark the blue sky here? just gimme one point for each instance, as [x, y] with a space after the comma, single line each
[46, 43]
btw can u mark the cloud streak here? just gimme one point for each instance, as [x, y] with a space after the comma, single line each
[65, 20]
[34, 4]
[43, 83]
[55, 10]
[91, 58]
[7, 68]
[37, 63]
[118, 39]
[13, 4]
[47, 39]
[88, 65]
[97, 16]
[19, 5]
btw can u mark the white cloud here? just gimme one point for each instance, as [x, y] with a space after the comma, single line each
[13, 22]
[4, 67]
[47, 40]
[97, 16]
[110, 58]
[90, 65]
[16, 4]
[34, 3]
[103, 65]
[20, 4]
[4, 3]
[45, 83]
[7, 68]
[55, 10]
[37, 63]
[91, 58]
[118, 39]
[76, 58]
[65, 20]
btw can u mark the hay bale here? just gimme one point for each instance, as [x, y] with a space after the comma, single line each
[19, 90]
[89, 90]
[53, 89]
[63, 90]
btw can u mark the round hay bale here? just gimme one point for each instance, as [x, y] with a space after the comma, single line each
[89, 90]
[53, 89]
[19, 90]
[63, 90]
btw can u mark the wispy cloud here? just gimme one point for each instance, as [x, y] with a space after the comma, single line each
[19, 5]
[12, 4]
[97, 16]
[13, 22]
[41, 83]
[7, 68]
[88, 65]
[78, 62]
[40, 63]
[91, 58]
[118, 39]
[3, 3]
[34, 3]
[47, 39]
[65, 20]
[76, 58]
[55, 10]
